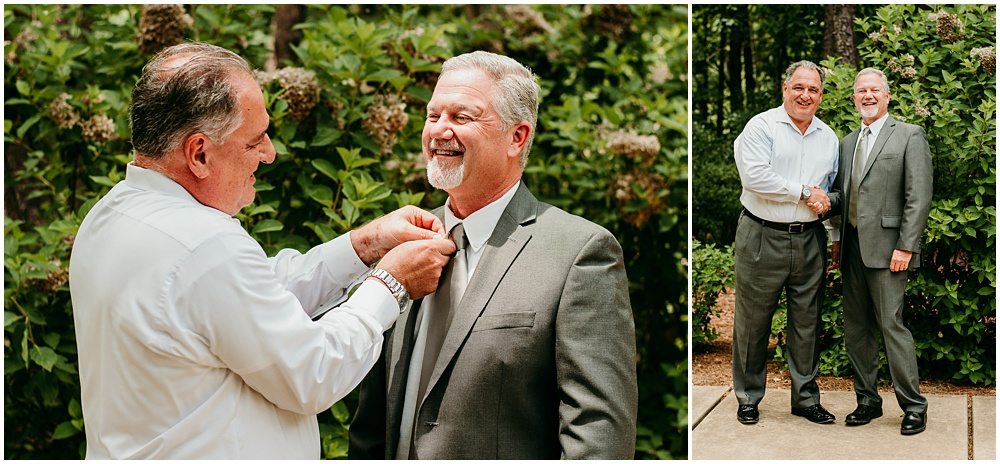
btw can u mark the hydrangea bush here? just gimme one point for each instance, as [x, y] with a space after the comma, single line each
[345, 120]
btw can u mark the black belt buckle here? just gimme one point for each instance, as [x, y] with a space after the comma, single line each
[800, 228]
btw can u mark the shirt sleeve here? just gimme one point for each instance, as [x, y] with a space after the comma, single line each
[258, 329]
[753, 150]
[322, 277]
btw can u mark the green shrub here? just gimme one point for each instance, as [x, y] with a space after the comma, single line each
[345, 119]
[712, 272]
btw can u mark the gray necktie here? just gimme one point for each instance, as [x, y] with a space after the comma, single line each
[449, 293]
[856, 171]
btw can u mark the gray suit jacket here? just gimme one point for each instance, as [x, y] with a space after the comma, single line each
[539, 362]
[894, 197]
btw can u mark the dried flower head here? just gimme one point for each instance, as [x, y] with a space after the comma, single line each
[386, 118]
[642, 148]
[650, 184]
[987, 57]
[529, 21]
[949, 28]
[63, 113]
[612, 21]
[921, 110]
[660, 72]
[99, 128]
[87, 100]
[161, 26]
[908, 72]
[300, 89]
[874, 36]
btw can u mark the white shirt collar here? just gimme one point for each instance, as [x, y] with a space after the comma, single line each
[480, 224]
[150, 180]
[875, 127]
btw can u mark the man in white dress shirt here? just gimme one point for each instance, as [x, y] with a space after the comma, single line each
[193, 344]
[787, 160]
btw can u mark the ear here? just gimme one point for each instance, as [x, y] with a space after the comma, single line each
[195, 156]
[522, 131]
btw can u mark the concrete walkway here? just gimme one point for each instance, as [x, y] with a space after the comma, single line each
[779, 435]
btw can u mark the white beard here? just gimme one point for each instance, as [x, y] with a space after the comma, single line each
[444, 178]
[868, 112]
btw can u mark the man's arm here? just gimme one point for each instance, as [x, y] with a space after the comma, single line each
[595, 356]
[753, 152]
[918, 186]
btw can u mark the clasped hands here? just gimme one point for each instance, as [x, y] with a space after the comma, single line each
[818, 202]
[410, 244]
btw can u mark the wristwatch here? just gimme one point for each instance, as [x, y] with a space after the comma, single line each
[806, 193]
[398, 291]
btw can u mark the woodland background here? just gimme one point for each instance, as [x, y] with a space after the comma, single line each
[346, 88]
[941, 65]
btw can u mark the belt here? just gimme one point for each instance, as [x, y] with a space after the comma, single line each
[790, 227]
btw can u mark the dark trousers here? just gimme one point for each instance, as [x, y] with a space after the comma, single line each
[767, 262]
[873, 305]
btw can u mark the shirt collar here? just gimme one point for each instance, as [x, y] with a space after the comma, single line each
[876, 126]
[480, 224]
[149, 180]
[814, 124]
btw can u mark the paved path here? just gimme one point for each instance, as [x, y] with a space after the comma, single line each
[717, 435]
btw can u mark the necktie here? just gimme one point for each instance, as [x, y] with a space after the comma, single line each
[860, 157]
[449, 293]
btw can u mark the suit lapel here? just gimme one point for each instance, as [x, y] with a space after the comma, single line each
[505, 244]
[883, 135]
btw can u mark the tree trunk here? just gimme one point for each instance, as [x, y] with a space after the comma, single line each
[720, 105]
[838, 37]
[734, 66]
[286, 17]
[748, 64]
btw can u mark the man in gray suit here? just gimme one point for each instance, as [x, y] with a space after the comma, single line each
[535, 358]
[883, 193]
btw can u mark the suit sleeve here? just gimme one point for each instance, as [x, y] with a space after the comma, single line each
[368, 428]
[595, 356]
[918, 189]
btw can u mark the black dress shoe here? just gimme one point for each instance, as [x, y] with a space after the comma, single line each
[814, 413]
[913, 423]
[863, 415]
[747, 414]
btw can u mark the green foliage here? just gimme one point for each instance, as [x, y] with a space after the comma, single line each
[346, 119]
[712, 271]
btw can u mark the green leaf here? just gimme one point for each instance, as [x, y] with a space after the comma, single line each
[267, 225]
[9, 318]
[325, 136]
[65, 430]
[325, 167]
[23, 88]
[44, 356]
[340, 412]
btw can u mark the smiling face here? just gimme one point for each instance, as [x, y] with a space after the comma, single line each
[802, 95]
[871, 98]
[468, 152]
[229, 186]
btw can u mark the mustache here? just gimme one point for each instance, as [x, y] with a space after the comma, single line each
[446, 145]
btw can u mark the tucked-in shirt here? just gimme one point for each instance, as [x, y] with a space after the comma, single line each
[193, 344]
[775, 160]
[478, 229]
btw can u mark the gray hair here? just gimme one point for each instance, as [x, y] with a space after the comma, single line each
[885, 80]
[807, 65]
[515, 90]
[171, 103]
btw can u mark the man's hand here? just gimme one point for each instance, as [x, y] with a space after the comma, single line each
[834, 257]
[900, 260]
[818, 202]
[376, 238]
[417, 264]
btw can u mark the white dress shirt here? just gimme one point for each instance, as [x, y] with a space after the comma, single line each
[478, 229]
[775, 160]
[193, 344]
